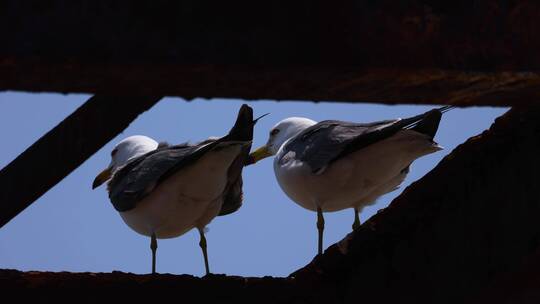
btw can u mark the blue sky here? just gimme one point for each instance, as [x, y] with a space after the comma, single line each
[75, 228]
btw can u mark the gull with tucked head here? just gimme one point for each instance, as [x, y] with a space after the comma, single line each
[163, 191]
[333, 165]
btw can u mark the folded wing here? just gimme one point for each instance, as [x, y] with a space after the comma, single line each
[329, 140]
[137, 178]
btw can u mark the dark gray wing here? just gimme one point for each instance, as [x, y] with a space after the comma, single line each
[243, 129]
[327, 141]
[324, 142]
[138, 177]
[233, 195]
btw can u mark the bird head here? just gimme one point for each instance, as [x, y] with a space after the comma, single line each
[124, 151]
[279, 134]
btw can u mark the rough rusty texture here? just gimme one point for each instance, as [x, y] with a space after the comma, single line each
[64, 148]
[482, 52]
[91, 287]
[515, 287]
[467, 226]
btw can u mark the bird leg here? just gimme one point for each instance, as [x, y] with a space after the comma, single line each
[356, 223]
[153, 246]
[320, 227]
[202, 244]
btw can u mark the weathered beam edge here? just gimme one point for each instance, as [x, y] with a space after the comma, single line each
[259, 82]
[64, 148]
[139, 288]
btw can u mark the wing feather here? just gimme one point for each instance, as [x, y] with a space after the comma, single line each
[326, 141]
[137, 178]
[329, 140]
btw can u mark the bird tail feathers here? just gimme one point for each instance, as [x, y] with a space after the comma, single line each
[428, 123]
[243, 127]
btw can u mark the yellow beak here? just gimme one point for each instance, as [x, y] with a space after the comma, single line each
[101, 178]
[258, 154]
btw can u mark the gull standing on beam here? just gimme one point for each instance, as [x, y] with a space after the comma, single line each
[333, 165]
[163, 191]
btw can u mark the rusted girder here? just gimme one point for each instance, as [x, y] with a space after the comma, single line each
[412, 51]
[64, 148]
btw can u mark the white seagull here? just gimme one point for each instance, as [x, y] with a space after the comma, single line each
[333, 165]
[164, 191]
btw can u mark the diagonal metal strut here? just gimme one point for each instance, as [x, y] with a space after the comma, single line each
[64, 148]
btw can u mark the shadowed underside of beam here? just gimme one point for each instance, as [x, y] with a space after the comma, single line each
[390, 86]
[471, 220]
[412, 51]
[64, 148]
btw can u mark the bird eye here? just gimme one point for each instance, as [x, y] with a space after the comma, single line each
[113, 152]
[274, 132]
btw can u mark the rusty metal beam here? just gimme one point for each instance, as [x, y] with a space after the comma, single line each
[64, 148]
[411, 51]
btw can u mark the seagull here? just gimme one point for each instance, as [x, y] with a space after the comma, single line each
[334, 165]
[163, 191]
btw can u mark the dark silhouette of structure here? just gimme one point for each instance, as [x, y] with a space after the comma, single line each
[466, 232]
